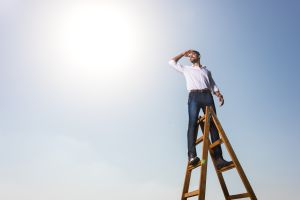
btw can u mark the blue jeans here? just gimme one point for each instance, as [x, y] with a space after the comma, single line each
[196, 101]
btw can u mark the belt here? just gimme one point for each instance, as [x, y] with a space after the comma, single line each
[201, 90]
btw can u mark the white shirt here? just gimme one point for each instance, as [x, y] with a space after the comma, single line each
[197, 78]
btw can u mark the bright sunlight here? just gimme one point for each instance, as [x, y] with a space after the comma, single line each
[97, 40]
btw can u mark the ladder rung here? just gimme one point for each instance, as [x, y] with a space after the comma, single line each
[191, 194]
[191, 167]
[202, 118]
[239, 196]
[228, 167]
[216, 143]
[200, 139]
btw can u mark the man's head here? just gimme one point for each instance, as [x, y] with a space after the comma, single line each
[194, 56]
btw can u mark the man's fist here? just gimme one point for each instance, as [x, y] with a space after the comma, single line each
[187, 53]
[221, 100]
[220, 97]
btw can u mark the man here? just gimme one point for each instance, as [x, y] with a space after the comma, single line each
[200, 84]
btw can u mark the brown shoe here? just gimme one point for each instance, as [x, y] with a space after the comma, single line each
[220, 163]
[194, 160]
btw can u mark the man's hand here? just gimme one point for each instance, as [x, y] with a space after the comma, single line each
[187, 53]
[220, 97]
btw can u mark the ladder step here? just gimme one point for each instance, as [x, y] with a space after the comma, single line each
[201, 119]
[226, 168]
[239, 196]
[216, 143]
[191, 167]
[191, 194]
[200, 139]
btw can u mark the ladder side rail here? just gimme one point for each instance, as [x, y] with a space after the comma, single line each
[205, 147]
[233, 156]
[221, 179]
[220, 175]
[188, 172]
[186, 184]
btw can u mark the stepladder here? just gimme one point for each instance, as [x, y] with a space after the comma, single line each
[204, 123]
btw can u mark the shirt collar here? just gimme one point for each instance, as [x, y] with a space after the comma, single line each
[203, 66]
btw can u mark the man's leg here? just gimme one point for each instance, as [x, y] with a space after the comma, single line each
[214, 134]
[193, 108]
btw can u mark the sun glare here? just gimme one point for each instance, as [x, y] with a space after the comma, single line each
[97, 40]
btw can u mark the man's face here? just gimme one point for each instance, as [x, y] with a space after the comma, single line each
[194, 57]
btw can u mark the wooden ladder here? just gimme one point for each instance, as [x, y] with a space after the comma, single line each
[204, 123]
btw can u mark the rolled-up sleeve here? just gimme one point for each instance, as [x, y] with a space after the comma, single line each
[176, 65]
[213, 85]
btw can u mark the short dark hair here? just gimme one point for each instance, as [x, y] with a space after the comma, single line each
[196, 52]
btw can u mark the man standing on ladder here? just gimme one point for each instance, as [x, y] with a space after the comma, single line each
[200, 84]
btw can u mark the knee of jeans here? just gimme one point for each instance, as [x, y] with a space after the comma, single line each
[192, 123]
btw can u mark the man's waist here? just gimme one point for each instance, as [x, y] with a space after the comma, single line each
[201, 90]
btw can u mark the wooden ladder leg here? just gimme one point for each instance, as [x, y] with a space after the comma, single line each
[220, 176]
[186, 184]
[202, 186]
[188, 174]
[234, 157]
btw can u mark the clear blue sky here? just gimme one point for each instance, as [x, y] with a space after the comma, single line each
[105, 119]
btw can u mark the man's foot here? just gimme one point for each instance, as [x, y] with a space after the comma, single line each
[194, 160]
[220, 163]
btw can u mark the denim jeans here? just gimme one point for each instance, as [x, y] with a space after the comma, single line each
[196, 101]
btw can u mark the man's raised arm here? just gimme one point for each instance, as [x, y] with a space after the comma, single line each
[173, 61]
[179, 56]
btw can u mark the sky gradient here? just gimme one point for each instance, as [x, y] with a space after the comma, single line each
[87, 121]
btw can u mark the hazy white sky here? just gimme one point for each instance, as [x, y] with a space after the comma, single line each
[91, 110]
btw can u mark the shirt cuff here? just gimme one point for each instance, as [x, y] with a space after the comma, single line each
[172, 62]
[216, 89]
